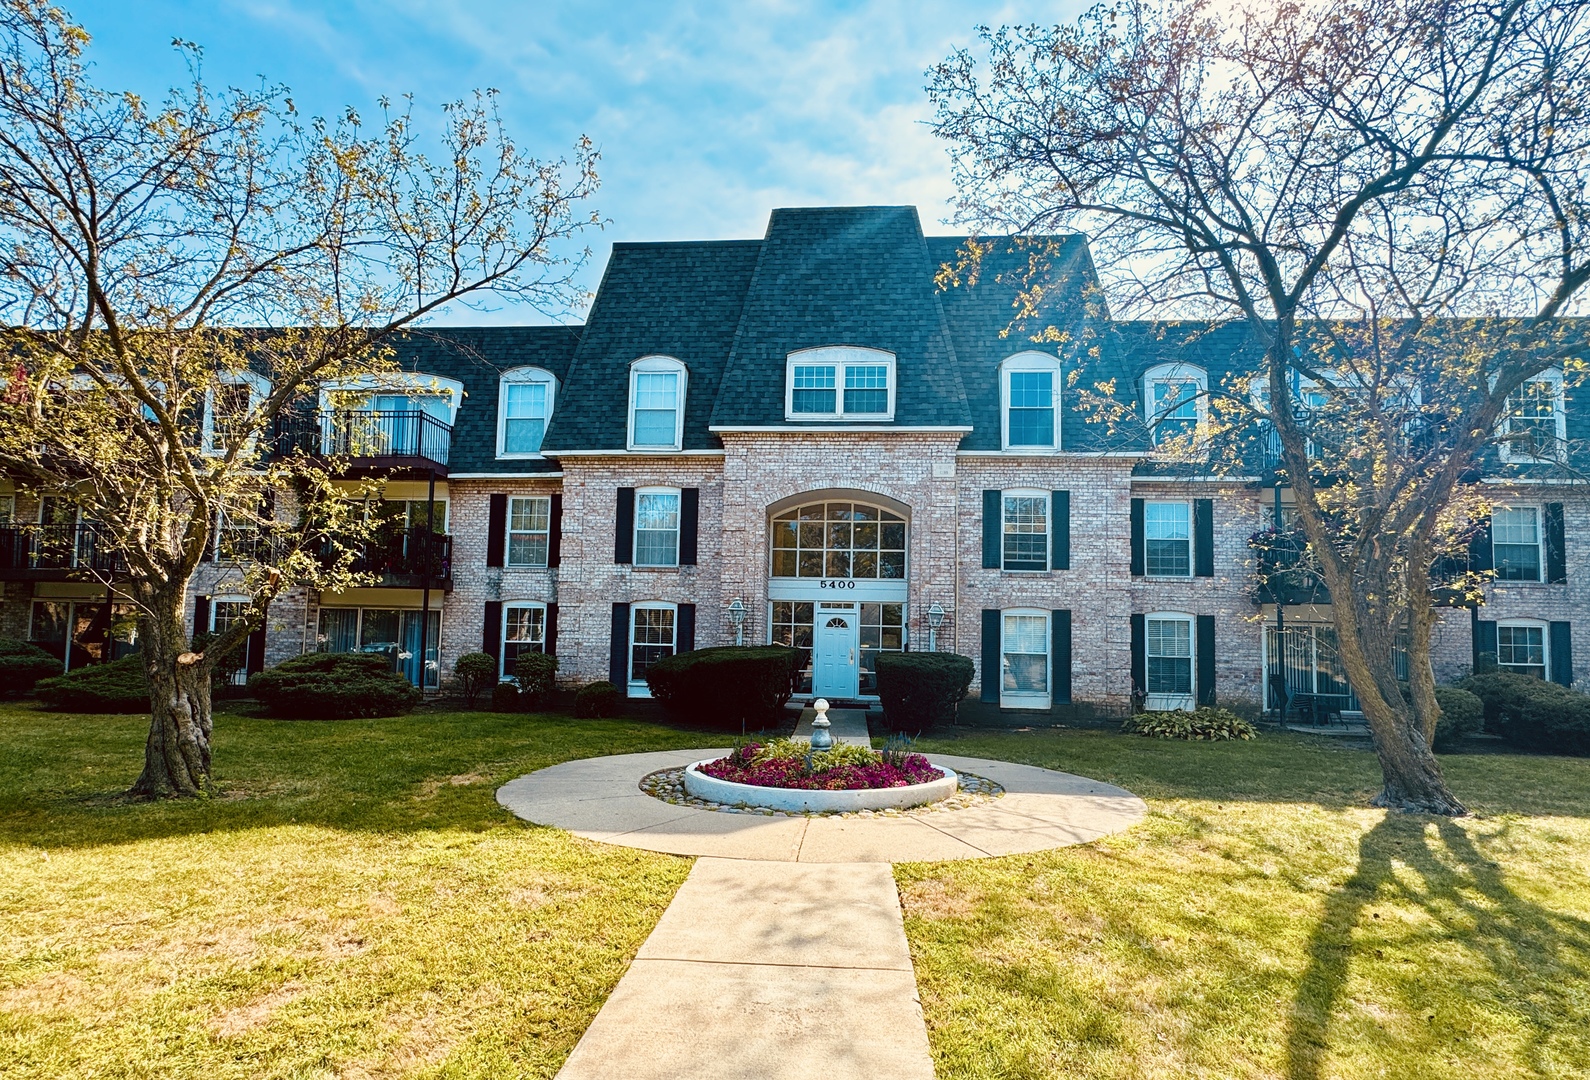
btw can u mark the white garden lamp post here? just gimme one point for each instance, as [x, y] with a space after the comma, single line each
[737, 620]
[935, 617]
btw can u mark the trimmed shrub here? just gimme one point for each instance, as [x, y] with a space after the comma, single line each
[598, 700]
[1205, 725]
[727, 686]
[1533, 713]
[536, 674]
[921, 690]
[22, 664]
[334, 686]
[475, 671]
[116, 687]
[505, 697]
[1462, 713]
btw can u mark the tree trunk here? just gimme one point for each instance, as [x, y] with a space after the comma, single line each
[177, 755]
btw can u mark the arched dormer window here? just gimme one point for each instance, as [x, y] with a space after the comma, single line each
[525, 397]
[1174, 400]
[657, 403]
[839, 382]
[1029, 397]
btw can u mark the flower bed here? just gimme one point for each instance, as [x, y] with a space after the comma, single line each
[788, 764]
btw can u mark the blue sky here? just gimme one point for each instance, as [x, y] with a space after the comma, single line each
[707, 115]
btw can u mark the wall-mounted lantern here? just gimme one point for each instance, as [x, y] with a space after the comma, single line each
[737, 620]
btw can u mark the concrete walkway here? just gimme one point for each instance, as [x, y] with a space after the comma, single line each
[766, 971]
[845, 725]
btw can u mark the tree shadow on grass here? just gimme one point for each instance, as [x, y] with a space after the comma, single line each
[1522, 959]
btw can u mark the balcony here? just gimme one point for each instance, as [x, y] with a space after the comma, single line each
[55, 553]
[370, 440]
[404, 558]
[1286, 573]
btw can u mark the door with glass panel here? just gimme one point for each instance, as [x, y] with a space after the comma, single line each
[834, 662]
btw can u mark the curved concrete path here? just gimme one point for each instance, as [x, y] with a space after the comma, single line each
[598, 798]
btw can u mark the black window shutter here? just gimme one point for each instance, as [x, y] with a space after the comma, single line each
[550, 638]
[990, 654]
[1562, 653]
[201, 614]
[496, 530]
[685, 638]
[555, 532]
[624, 530]
[689, 524]
[1206, 659]
[1556, 548]
[1060, 531]
[1139, 657]
[1060, 658]
[1484, 643]
[1137, 537]
[1480, 548]
[618, 652]
[491, 631]
[254, 662]
[1203, 538]
[993, 512]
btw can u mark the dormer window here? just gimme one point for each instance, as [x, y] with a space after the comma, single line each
[1029, 387]
[656, 403]
[524, 408]
[227, 407]
[839, 383]
[1173, 401]
[1535, 426]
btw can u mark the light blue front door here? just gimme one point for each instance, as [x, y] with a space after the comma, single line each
[835, 661]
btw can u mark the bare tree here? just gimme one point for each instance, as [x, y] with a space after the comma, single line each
[1392, 197]
[138, 241]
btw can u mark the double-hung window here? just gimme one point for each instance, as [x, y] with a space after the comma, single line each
[1173, 397]
[1169, 660]
[1515, 543]
[1026, 530]
[1167, 536]
[651, 638]
[657, 527]
[1521, 648]
[1536, 422]
[524, 408]
[529, 530]
[524, 629]
[1029, 384]
[657, 400]
[1024, 660]
[839, 383]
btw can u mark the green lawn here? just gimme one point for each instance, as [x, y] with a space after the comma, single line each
[354, 904]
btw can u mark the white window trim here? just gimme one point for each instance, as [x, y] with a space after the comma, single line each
[838, 357]
[1191, 540]
[638, 688]
[1540, 542]
[1510, 453]
[258, 387]
[1181, 372]
[503, 674]
[1188, 701]
[652, 364]
[508, 531]
[521, 376]
[634, 536]
[1020, 699]
[1048, 528]
[398, 382]
[1545, 642]
[1027, 361]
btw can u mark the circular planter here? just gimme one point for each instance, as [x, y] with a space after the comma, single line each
[710, 788]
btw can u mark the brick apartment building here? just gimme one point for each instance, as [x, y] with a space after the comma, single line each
[817, 438]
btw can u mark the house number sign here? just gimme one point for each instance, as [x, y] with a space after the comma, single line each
[835, 583]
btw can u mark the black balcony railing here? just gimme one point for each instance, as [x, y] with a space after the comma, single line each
[365, 435]
[1287, 574]
[402, 556]
[58, 548]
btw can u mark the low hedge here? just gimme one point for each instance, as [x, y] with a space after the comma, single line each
[475, 671]
[597, 700]
[536, 673]
[727, 687]
[116, 687]
[22, 665]
[1462, 714]
[921, 690]
[334, 686]
[505, 696]
[1205, 725]
[1533, 713]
